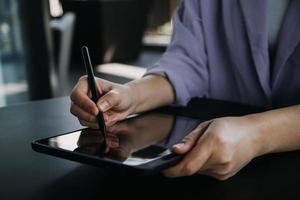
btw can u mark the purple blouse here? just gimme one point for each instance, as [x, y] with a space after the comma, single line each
[219, 50]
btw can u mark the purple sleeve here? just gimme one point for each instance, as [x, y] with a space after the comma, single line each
[184, 63]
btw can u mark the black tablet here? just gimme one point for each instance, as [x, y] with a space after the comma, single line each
[139, 144]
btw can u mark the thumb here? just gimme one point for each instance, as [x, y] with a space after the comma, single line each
[191, 139]
[187, 143]
[108, 101]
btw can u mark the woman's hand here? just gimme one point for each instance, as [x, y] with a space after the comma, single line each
[116, 103]
[218, 148]
[119, 101]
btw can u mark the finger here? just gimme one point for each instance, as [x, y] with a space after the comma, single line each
[90, 94]
[216, 175]
[80, 97]
[214, 167]
[112, 141]
[210, 173]
[109, 100]
[88, 124]
[111, 123]
[81, 114]
[108, 115]
[120, 128]
[112, 117]
[224, 171]
[192, 162]
[103, 85]
[189, 141]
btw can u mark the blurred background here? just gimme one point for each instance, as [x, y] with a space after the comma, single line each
[40, 43]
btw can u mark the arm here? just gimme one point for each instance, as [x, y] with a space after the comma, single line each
[119, 101]
[279, 129]
[180, 75]
[223, 146]
[151, 92]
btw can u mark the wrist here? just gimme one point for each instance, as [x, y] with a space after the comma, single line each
[259, 129]
[134, 95]
[150, 92]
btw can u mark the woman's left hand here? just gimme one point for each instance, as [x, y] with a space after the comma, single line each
[218, 148]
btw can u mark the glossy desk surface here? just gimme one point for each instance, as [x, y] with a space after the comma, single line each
[25, 174]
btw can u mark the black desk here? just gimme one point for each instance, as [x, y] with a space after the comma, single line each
[25, 174]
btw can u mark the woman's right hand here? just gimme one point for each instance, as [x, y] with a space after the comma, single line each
[116, 103]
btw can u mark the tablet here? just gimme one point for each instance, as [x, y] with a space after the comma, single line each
[140, 144]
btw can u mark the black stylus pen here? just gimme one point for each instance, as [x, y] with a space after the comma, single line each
[93, 87]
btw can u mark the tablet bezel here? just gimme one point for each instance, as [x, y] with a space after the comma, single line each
[149, 168]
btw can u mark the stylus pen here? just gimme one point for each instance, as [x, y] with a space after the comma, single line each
[93, 87]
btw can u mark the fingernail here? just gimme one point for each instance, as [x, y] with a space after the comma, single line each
[179, 145]
[95, 112]
[103, 106]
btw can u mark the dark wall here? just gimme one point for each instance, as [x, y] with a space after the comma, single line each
[113, 30]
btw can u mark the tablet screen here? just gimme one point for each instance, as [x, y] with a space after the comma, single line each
[135, 141]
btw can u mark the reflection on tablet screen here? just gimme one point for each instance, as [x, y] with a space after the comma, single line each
[135, 141]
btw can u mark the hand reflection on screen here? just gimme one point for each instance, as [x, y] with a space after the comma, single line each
[126, 137]
[91, 142]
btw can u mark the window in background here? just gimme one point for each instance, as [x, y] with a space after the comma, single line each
[156, 37]
[159, 29]
[55, 8]
[2, 99]
[13, 87]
